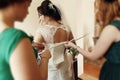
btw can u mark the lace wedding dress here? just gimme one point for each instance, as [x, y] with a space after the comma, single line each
[58, 68]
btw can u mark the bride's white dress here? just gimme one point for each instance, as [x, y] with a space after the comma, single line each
[58, 68]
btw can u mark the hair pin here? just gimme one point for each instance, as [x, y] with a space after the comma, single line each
[51, 6]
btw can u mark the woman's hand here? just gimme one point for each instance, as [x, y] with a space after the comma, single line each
[46, 54]
[39, 47]
[70, 44]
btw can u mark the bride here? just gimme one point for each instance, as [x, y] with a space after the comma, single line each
[51, 32]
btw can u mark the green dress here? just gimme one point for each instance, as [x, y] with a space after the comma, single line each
[111, 68]
[9, 39]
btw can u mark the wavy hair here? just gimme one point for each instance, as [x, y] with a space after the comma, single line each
[106, 11]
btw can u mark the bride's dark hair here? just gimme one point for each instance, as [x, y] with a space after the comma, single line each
[47, 8]
[110, 1]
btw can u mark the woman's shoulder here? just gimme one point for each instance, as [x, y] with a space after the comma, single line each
[13, 32]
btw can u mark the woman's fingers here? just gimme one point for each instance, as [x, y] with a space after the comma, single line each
[46, 54]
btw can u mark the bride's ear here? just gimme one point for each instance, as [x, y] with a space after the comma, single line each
[42, 19]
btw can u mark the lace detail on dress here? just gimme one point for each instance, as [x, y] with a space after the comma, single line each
[48, 32]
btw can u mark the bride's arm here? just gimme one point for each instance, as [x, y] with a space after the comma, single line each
[38, 42]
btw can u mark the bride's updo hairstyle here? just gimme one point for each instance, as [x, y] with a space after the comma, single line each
[47, 8]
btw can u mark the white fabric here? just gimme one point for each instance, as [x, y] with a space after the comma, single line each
[58, 68]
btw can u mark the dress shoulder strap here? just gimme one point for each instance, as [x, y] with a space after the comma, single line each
[116, 23]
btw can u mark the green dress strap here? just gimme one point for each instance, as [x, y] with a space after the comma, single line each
[116, 23]
[10, 39]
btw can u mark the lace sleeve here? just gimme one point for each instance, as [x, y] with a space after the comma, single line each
[45, 32]
[38, 35]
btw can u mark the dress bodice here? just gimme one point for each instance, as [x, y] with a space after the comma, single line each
[113, 54]
[58, 63]
[111, 68]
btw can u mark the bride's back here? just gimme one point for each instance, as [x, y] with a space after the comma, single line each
[60, 35]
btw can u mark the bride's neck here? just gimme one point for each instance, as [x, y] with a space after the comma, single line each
[54, 23]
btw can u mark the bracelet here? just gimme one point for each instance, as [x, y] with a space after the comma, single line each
[44, 58]
[76, 47]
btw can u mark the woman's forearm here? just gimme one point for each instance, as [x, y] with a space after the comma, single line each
[44, 68]
[89, 55]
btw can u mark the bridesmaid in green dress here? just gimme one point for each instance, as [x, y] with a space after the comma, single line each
[108, 44]
[17, 59]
